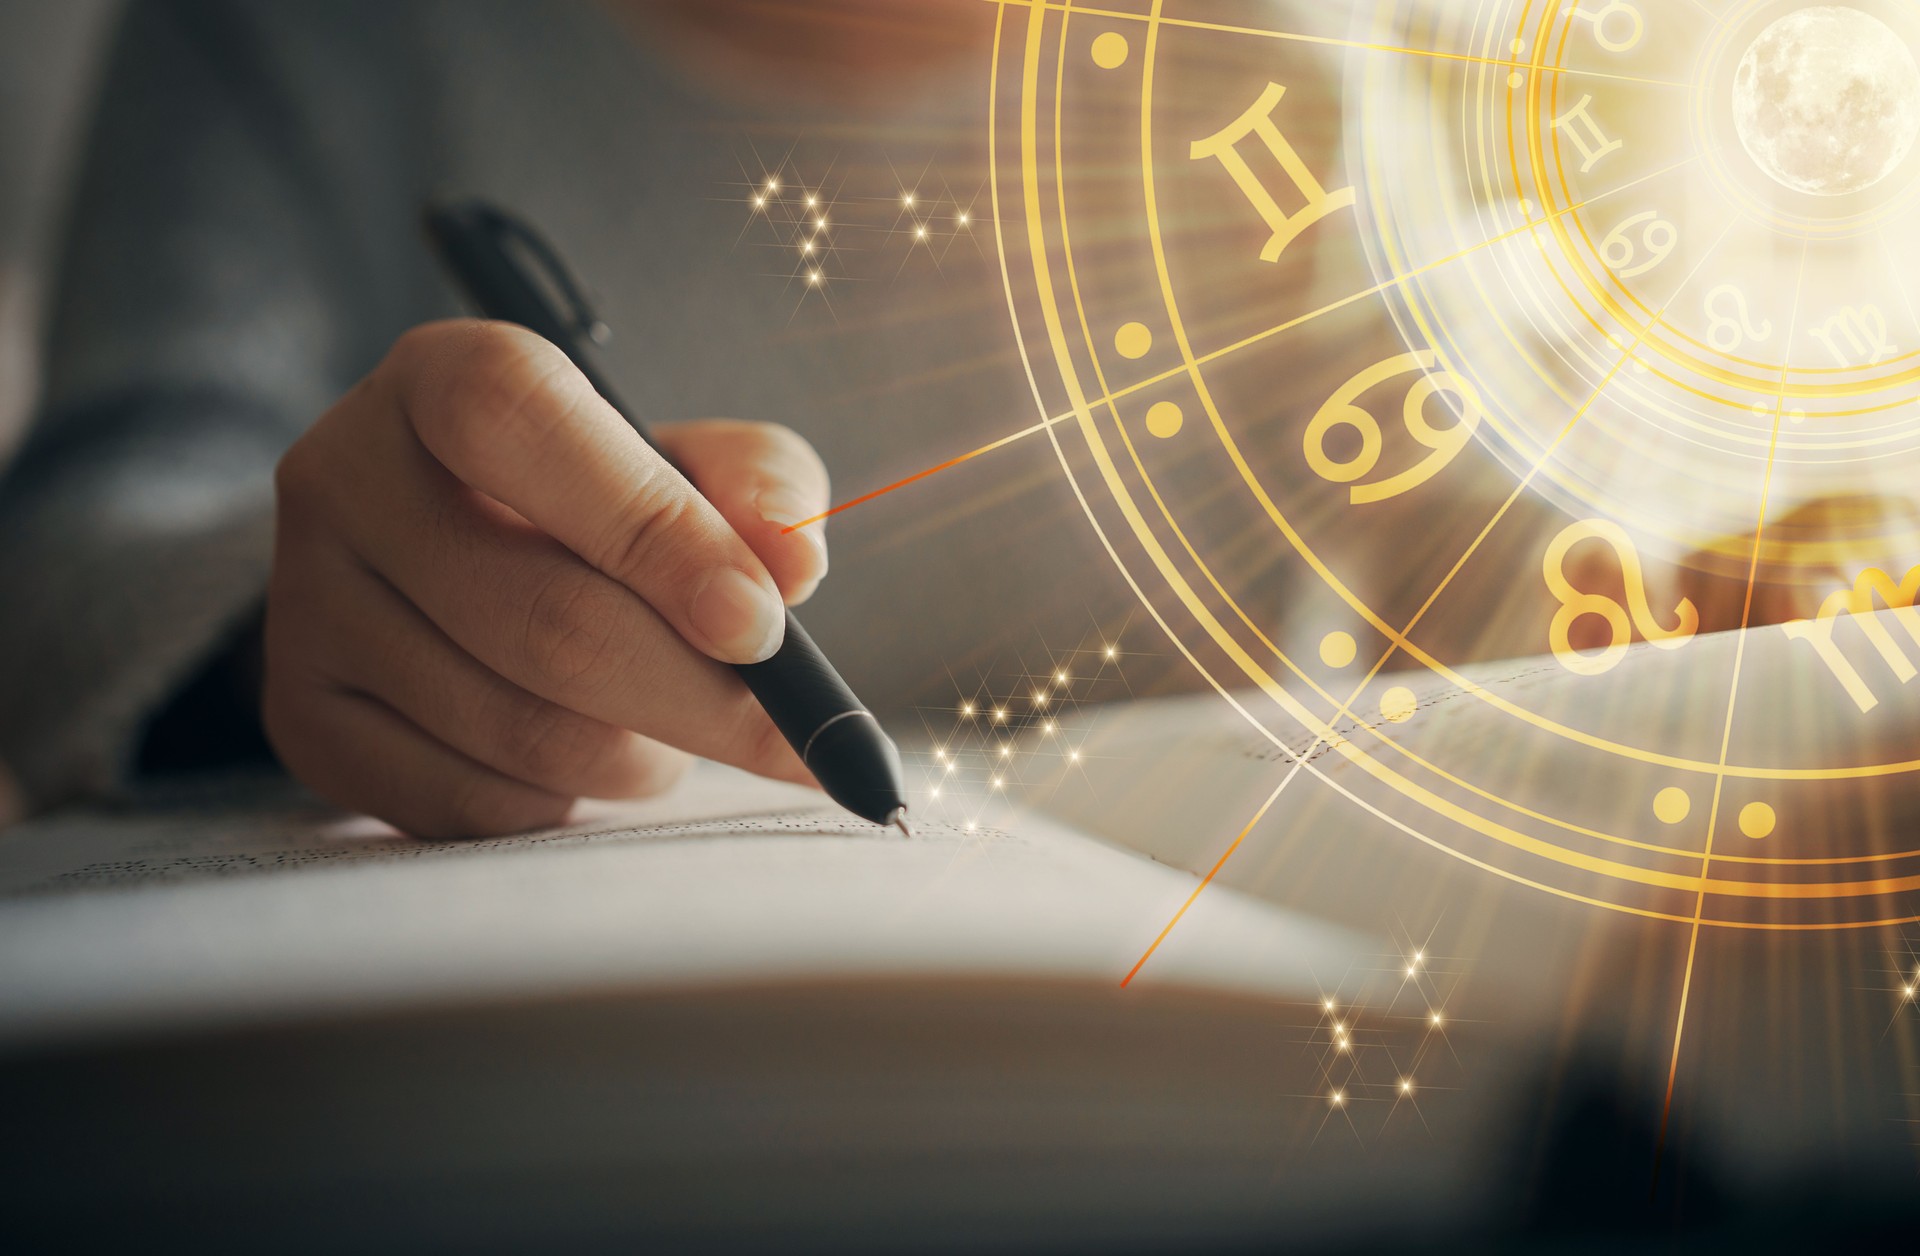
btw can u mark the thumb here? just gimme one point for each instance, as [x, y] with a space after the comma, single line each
[763, 479]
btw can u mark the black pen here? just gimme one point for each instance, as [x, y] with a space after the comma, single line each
[835, 735]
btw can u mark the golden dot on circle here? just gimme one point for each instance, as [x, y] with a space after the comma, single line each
[1757, 820]
[1526, 208]
[1338, 649]
[1672, 804]
[1516, 79]
[1519, 46]
[1398, 704]
[1133, 340]
[1110, 50]
[1164, 419]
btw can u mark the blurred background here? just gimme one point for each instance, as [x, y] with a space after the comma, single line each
[50, 53]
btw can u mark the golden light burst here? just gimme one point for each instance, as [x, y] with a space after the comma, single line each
[1377, 1056]
[1015, 725]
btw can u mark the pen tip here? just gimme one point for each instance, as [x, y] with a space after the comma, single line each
[899, 821]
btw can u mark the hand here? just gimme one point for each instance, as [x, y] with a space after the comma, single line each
[1852, 532]
[11, 806]
[491, 598]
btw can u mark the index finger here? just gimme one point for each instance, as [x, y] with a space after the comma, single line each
[509, 415]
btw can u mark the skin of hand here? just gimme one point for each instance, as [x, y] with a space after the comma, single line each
[11, 808]
[1714, 579]
[490, 597]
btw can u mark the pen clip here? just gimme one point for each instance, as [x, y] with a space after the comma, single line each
[584, 320]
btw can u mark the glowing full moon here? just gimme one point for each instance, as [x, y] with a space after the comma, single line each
[1827, 100]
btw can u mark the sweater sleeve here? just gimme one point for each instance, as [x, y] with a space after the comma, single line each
[205, 290]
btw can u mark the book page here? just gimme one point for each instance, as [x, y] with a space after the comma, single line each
[110, 924]
[1607, 789]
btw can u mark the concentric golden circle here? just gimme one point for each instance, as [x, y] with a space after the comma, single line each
[1617, 351]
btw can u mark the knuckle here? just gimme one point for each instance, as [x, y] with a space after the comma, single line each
[655, 523]
[417, 345]
[479, 387]
[298, 479]
[572, 632]
[320, 464]
[545, 743]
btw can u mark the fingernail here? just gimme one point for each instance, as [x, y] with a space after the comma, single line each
[779, 506]
[801, 594]
[741, 621]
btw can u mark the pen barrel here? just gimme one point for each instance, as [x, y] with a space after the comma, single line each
[835, 735]
[831, 729]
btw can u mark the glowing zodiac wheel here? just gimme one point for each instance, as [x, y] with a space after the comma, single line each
[1382, 341]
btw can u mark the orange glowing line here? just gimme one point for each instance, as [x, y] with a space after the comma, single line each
[1726, 736]
[1201, 888]
[921, 475]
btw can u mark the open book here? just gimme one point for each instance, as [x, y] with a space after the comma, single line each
[725, 1016]
[1787, 753]
[709, 1006]
[208, 917]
